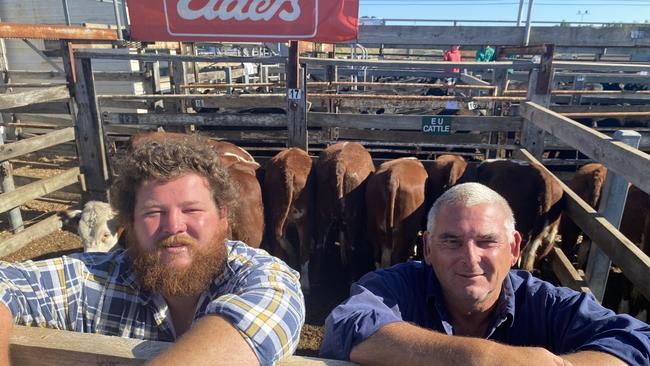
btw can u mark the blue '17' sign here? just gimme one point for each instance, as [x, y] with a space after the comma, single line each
[436, 125]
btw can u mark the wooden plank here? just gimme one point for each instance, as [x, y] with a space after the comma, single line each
[562, 109]
[13, 100]
[32, 346]
[633, 262]
[631, 163]
[604, 77]
[47, 107]
[56, 121]
[40, 188]
[419, 65]
[22, 147]
[600, 66]
[426, 36]
[93, 159]
[412, 122]
[119, 76]
[554, 143]
[29, 74]
[408, 136]
[177, 58]
[473, 80]
[34, 232]
[565, 271]
[199, 119]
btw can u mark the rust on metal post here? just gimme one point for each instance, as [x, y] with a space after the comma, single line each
[43, 31]
[545, 77]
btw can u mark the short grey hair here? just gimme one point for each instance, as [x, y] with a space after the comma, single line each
[468, 195]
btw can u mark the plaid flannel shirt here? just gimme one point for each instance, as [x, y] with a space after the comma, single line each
[98, 293]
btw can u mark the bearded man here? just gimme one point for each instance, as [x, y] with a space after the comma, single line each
[179, 276]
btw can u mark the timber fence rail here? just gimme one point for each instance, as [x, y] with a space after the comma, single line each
[38, 346]
[628, 162]
[11, 200]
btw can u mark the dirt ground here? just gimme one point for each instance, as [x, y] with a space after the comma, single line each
[64, 242]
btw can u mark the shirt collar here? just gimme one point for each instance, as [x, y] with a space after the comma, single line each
[504, 312]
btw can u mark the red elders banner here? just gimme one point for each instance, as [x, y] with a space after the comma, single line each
[244, 20]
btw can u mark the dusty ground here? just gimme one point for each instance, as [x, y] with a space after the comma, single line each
[64, 242]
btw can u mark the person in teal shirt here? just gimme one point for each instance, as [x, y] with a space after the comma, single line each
[485, 54]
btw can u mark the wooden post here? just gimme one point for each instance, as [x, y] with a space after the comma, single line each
[578, 84]
[178, 78]
[331, 75]
[539, 91]
[152, 69]
[228, 73]
[296, 100]
[293, 73]
[7, 180]
[90, 136]
[612, 203]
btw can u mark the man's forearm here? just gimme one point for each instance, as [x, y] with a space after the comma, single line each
[593, 358]
[212, 341]
[403, 343]
[6, 324]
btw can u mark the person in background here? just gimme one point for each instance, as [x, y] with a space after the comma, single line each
[465, 306]
[452, 54]
[179, 280]
[485, 54]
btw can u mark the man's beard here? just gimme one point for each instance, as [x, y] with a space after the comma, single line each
[207, 265]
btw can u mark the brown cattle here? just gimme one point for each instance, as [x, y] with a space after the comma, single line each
[586, 183]
[443, 173]
[288, 204]
[635, 225]
[536, 201]
[395, 207]
[341, 173]
[247, 218]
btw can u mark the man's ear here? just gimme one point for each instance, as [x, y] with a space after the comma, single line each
[515, 248]
[426, 251]
[223, 212]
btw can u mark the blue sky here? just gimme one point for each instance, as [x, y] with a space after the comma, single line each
[543, 10]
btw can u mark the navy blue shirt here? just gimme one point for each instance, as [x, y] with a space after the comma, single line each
[529, 312]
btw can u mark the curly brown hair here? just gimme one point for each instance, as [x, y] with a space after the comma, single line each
[163, 159]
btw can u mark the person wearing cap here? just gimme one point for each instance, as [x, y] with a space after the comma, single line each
[465, 305]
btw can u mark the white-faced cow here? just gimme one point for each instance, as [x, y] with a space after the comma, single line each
[288, 204]
[341, 173]
[96, 225]
[395, 206]
[536, 200]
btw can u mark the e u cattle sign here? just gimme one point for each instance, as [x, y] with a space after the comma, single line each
[244, 20]
[437, 125]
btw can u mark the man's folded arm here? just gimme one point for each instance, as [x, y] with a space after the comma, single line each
[266, 308]
[407, 344]
[213, 340]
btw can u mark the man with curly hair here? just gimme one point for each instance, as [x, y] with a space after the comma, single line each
[179, 279]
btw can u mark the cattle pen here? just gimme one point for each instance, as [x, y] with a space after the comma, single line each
[497, 122]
